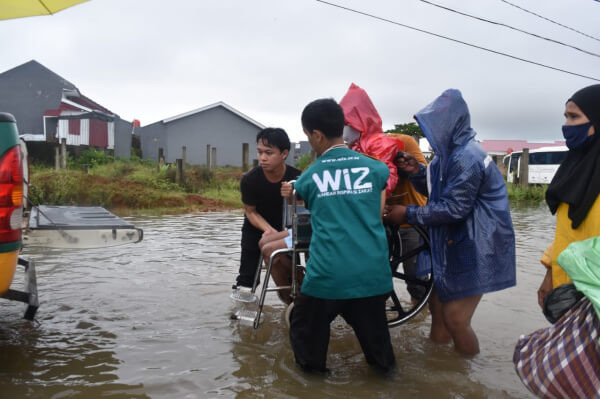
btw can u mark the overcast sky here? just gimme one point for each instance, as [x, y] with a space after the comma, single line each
[150, 60]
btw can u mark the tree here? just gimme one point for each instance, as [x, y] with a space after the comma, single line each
[411, 128]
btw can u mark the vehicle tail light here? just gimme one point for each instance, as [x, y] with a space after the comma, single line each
[11, 195]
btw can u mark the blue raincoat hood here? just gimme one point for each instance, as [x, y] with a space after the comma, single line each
[446, 122]
[467, 212]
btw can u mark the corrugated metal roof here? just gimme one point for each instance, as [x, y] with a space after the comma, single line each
[89, 103]
[211, 106]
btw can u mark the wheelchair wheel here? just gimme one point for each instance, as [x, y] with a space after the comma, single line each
[401, 305]
[288, 314]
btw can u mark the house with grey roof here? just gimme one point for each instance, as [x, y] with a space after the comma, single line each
[49, 108]
[297, 151]
[216, 134]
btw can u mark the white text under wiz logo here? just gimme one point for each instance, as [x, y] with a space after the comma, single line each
[352, 180]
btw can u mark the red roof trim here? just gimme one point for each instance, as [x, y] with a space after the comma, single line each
[88, 103]
[63, 107]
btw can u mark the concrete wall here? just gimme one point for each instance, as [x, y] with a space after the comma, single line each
[122, 138]
[152, 137]
[216, 127]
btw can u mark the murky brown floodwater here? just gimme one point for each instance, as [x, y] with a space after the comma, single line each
[152, 320]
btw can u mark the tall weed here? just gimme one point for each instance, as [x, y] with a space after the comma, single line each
[134, 184]
[532, 193]
[91, 158]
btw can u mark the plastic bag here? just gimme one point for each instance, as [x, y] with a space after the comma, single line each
[560, 300]
[581, 261]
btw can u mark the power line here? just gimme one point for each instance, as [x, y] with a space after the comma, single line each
[510, 27]
[457, 41]
[549, 20]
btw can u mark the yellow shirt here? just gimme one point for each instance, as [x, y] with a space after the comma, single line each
[565, 235]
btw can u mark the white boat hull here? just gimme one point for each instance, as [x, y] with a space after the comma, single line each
[72, 238]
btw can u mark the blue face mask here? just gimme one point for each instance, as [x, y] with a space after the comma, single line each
[577, 136]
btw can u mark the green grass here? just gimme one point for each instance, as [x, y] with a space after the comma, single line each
[532, 194]
[227, 191]
[133, 186]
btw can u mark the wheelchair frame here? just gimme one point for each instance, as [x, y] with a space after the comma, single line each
[290, 217]
[300, 224]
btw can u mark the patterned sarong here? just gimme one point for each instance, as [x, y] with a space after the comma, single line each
[562, 361]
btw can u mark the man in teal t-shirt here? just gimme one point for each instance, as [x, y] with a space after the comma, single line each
[348, 272]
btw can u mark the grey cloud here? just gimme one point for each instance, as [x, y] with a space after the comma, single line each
[151, 59]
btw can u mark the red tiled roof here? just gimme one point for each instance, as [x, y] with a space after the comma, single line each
[515, 145]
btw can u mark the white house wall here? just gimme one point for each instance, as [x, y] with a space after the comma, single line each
[84, 132]
[111, 135]
[63, 133]
[62, 130]
[72, 139]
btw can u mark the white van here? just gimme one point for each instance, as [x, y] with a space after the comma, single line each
[543, 163]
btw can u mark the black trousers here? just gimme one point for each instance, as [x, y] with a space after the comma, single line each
[310, 328]
[248, 265]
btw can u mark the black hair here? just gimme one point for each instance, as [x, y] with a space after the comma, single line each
[274, 137]
[325, 115]
[399, 154]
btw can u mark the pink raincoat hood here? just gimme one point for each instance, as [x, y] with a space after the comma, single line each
[360, 114]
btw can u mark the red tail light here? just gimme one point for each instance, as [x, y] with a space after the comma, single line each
[11, 195]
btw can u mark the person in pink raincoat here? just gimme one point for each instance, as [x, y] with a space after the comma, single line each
[364, 132]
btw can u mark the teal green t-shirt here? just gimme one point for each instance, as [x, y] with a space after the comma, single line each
[348, 249]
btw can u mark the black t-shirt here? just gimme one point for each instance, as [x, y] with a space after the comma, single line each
[266, 197]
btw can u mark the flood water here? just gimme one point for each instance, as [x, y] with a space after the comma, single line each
[152, 320]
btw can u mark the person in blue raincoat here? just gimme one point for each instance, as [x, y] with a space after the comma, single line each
[468, 217]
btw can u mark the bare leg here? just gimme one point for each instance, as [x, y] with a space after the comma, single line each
[270, 237]
[281, 270]
[439, 333]
[457, 316]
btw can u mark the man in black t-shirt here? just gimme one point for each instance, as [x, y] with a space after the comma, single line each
[261, 196]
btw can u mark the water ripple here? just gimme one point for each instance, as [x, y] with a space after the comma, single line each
[152, 320]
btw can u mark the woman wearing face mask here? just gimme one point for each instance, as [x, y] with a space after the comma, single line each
[574, 193]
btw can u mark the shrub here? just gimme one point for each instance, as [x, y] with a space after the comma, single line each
[91, 158]
[132, 185]
[304, 161]
[196, 178]
[531, 193]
